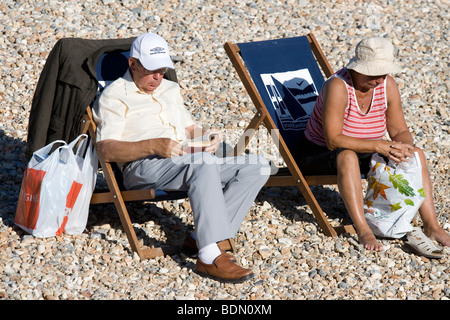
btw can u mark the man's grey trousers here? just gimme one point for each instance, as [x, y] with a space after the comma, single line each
[221, 190]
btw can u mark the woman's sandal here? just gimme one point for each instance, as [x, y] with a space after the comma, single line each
[419, 243]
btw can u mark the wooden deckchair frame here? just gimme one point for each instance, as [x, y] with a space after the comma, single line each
[262, 116]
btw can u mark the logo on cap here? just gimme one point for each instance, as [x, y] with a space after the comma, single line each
[157, 50]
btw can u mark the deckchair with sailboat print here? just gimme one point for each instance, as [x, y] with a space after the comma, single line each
[283, 78]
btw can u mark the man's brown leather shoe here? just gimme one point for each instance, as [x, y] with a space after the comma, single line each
[223, 270]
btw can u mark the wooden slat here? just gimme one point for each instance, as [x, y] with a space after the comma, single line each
[131, 195]
[279, 181]
[249, 132]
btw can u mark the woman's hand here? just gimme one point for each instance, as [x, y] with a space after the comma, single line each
[396, 151]
[400, 152]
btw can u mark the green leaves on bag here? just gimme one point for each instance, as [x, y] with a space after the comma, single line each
[401, 184]
[397, 206]
[421, 192]
[398, 182]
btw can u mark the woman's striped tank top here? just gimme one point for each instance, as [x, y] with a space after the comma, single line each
[371, 125]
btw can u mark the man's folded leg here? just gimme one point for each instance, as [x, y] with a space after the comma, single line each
[200, 177]
[204, 183]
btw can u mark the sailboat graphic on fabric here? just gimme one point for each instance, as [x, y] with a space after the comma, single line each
[293, 95]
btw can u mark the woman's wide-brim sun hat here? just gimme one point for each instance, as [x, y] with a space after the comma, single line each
[374, 57]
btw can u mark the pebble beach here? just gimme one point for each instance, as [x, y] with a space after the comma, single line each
[280, 239]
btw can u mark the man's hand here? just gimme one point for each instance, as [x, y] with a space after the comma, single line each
[215, 142]
[166, 148]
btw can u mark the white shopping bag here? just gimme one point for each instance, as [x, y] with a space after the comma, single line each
[394, 194]
[51, 189]
[87, 165]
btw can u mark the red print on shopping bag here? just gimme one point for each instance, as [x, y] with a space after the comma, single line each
[28, 207]
[70, 202]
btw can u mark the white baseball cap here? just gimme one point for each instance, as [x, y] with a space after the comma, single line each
[152, 51]
[374, 57]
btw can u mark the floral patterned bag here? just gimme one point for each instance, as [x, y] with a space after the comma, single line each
[394, 194]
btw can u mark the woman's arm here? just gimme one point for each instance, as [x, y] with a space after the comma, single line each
[396, 124]
[395, 119]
